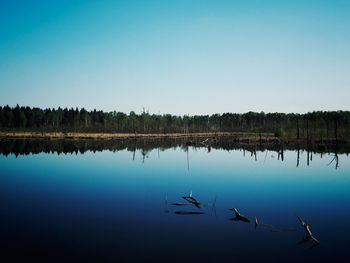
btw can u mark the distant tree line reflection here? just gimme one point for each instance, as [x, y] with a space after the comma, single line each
[145, 145]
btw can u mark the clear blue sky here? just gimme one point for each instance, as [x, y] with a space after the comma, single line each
[179, 57]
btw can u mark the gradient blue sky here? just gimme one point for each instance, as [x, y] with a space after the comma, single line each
[180, 57]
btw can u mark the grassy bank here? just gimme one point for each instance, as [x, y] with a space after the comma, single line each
[241, 137]
[107, 136]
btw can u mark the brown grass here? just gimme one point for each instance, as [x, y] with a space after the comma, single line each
[107, 136]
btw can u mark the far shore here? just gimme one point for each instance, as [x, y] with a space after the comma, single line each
[85, 135]
[244, 137]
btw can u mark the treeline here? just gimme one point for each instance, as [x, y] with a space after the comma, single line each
[317, 124]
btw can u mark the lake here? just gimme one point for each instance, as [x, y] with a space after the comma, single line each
[122, 201]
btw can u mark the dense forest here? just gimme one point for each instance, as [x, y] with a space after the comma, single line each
[317, 124]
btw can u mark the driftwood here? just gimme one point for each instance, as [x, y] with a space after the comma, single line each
[307, 229]
[188, 213]
[192, 200]
[178, 204]
[205, 142]
[256, 223]
[239, 217]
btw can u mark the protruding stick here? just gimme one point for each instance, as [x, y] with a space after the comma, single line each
[239, 216]
[307, 229]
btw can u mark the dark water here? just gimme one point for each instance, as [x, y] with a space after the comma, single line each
[115, 205]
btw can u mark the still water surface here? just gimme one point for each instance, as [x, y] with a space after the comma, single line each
[117, 206]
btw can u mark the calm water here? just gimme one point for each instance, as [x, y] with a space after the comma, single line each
[116, 205]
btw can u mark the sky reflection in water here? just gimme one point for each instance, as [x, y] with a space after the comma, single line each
[108, 206]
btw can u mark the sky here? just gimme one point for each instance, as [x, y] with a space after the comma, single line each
[178, 57]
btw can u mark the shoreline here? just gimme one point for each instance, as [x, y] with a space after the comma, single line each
[238, 136]
[85, 135]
